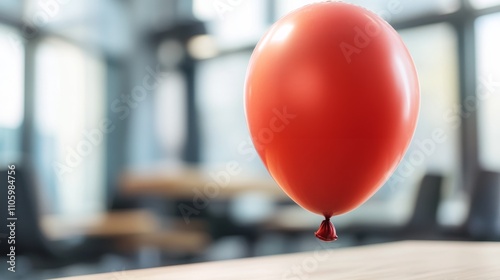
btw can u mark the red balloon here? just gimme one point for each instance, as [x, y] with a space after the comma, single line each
[332, 100]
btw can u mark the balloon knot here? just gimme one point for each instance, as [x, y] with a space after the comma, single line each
[326, 231]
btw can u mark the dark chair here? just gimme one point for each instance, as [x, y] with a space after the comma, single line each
[422, 224]
[427, 203]
[30, 239]
[483, 222]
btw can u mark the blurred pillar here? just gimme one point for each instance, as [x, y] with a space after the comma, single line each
[191, 153]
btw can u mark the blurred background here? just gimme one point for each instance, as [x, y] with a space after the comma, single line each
[124, 120]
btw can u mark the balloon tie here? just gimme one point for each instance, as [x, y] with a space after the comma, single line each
[326, 231]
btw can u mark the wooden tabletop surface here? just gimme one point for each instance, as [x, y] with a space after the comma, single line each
[110, 224]
[399, 260]
[183, 182]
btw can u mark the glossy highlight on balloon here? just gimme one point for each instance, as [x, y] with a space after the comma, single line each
[332, 100]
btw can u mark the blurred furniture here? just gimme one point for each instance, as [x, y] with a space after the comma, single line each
[111, 224]
[421, 225]
[427, 203]
[398, 260]
[183, 182]
[177, 242]
[52, 241]
[483, 221]
[131, 230]
[31, 241]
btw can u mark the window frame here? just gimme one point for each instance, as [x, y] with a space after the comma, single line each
[463, 22]
[27, 126]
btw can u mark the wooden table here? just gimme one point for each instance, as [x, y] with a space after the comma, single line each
[131, 229]
[399, 260]
[108, 224]
[183, 182]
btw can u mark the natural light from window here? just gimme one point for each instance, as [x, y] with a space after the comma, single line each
[12, 75]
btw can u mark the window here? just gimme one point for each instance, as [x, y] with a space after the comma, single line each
[11, 93]
[11, 8]
[435, 49]
[220, 94]
[170, 110]
[390, 10]
[484, 3]
[233, 23]
[70, 126]
[435, 145]
[488, 90]
[220, 101]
